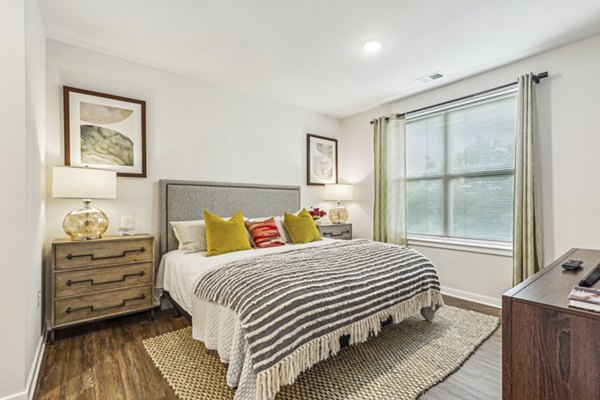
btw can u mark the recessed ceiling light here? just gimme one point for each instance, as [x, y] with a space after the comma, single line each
[372, 46]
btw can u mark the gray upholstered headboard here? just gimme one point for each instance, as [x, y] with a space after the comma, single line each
[186, 201]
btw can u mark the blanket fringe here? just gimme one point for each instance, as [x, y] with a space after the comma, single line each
[285, 372]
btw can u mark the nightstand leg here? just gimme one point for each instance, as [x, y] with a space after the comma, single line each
[176, 313]
[51, 337]
[151, 314]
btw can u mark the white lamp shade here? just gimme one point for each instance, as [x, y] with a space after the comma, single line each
[338, 192]
[83, 183]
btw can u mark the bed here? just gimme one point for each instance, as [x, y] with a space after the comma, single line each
[278, 330]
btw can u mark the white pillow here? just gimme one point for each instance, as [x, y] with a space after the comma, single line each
[282, 231]
[191, 235]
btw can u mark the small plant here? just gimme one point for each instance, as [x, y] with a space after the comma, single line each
[317, 213]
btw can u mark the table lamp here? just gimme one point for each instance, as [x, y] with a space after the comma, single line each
[338, 192]
[87, 222]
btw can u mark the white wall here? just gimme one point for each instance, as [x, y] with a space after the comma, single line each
[12, 198]
[22, 101]
[195, 130]
[568, 104]
[35, 56]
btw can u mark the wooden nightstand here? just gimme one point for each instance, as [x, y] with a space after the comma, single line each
[336, 231]
[99, 279]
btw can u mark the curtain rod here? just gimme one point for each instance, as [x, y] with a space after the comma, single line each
[536, 79]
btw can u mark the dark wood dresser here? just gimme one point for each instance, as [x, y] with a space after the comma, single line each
[549, 350]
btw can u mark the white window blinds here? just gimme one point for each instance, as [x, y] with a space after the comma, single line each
[460, 169]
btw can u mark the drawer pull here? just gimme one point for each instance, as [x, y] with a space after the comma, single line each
[333, 234]
[91, 281]
[94, 258]
[69, 310]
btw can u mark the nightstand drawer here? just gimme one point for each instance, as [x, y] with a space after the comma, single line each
[342, 231]
[86, 281]
[91, 254]
[83, 308]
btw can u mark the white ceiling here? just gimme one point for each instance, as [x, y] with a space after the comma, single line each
[308, 53]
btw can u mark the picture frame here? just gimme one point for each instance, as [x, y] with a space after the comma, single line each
[321, 160]
[105, 131]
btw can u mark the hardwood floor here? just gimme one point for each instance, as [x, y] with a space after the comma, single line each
[480, 378]
[107, 360]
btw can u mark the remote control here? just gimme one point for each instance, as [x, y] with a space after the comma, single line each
[572, 265]
[592, 277]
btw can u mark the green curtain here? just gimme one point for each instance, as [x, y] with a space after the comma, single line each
[527, 244]
[389, 211]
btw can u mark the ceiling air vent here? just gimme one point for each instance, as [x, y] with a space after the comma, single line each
[431, 77]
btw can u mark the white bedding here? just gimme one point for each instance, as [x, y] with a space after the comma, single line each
[216, 326]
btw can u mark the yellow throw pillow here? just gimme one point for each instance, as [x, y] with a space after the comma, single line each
[225, 236]
[301, 227]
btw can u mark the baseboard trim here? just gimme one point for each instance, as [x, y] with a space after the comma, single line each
[33, 374]
[16, 396]
[474, 297]
[35, 367]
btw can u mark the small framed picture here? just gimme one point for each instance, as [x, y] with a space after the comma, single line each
[322, 160]
[105, 131]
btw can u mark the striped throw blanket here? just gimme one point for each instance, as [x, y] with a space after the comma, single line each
[295, 305]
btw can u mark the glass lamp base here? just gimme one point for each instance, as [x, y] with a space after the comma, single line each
[85, 223]
[338, 215]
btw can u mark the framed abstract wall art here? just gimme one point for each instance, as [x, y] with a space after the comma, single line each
[105, 131]
[322, 160]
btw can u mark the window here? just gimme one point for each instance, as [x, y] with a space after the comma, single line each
[460, 170]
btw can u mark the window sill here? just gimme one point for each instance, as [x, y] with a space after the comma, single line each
[471, 246]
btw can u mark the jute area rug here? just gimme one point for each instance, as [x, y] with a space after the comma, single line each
[402, 362]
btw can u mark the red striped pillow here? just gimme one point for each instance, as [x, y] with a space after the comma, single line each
[265, 233]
